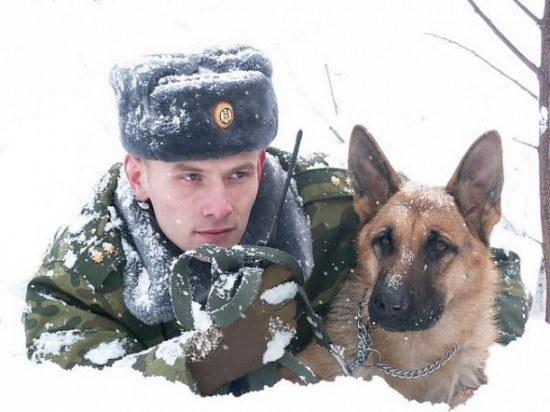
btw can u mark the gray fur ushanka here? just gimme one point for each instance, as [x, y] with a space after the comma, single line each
[167, 104]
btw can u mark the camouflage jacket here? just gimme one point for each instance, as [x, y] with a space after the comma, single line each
[76, 314]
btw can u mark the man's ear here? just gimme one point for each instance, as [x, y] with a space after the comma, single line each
[477, 183]
[136, 173]
[261, 163]
[372, 177]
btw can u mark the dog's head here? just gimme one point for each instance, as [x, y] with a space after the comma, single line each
[421, 247]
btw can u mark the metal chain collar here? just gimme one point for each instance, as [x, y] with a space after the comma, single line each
[416, 373]
[364, 342]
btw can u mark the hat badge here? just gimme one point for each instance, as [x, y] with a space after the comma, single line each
[223, 114]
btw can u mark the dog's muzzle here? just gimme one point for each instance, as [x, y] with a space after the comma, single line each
[400, 309]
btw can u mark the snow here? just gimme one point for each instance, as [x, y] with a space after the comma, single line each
[172, 84]
[543, 120]
[201, 318]
[106, 351]
[394, 281]
[435, 195]
[224, 284]
[52, 343]
[81, 221]
[70, 259]
[142, 290]
[170, 350]
[166, 125]
[424, 100]
[114, 221]
[280, 293]
[276, 346]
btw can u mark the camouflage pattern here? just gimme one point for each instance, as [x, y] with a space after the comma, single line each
[513, 302]
[75, 303]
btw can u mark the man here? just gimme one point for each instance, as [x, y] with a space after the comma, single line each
[131, 282]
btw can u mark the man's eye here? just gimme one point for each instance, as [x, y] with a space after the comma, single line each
[238, 175]
[191, 177]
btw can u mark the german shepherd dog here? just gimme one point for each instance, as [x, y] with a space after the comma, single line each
[424, 274]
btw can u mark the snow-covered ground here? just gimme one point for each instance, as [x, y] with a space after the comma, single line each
[424, 99]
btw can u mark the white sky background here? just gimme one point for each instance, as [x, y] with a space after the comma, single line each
[424, 100]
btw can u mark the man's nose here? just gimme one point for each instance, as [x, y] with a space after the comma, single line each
[217, 203]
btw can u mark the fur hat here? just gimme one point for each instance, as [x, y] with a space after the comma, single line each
[210, 104]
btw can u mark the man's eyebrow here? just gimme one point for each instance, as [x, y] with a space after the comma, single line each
[244, 165]
[187, 167]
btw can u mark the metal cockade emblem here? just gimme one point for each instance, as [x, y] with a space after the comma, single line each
[224, 114]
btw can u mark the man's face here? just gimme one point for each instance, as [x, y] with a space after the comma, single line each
[201, 201]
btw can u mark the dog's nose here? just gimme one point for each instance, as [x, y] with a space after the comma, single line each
[389, 304]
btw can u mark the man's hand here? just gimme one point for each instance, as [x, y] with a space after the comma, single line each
[242, 345]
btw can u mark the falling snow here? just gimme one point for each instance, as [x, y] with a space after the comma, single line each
[58, 136]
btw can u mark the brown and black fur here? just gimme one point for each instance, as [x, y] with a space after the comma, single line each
[424, 270]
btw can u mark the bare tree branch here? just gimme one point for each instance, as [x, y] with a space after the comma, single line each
[528, 236]
[521, 86]
[515, 139]
[306, 98]
[504, 39]
[331, 90]
[527, 11]
[338, 136]
[508, 225]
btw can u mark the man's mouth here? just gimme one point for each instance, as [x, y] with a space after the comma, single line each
[215, 235]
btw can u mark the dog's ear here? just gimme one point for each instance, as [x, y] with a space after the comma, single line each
[372, 176]
[477, 183]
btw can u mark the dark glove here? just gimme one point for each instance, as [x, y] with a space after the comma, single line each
[242, 345]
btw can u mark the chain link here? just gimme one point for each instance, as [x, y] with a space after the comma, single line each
[416, 373]
[364, 340]
[364, 350]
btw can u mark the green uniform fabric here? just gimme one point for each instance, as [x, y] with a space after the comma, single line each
[75, 304]
[512, 301]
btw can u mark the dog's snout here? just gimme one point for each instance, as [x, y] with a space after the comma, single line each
[403, 307]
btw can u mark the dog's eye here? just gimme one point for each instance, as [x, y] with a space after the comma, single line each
[440, 246]
[383, 242]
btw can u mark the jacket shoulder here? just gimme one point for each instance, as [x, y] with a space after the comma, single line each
[91, 245]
